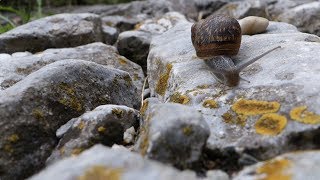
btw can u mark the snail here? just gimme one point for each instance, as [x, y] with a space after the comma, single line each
[215, 39]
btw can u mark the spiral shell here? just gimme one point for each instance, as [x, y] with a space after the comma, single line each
[216, 35]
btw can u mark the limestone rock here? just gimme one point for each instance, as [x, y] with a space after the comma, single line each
[277, 112]
[101, 162]
[13, 69]
[110, 34]
[105, 124]
[57, 31]
[173, 133]
[34, 108]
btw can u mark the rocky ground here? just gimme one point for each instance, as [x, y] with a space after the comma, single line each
[74, 103]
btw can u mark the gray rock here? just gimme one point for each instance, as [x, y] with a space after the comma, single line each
[296, 165]
[34, 108]
[105, 125]
[285, 80]
[241, 9]
[135, 46]
[306, 17]
[173, 133]
[207, 7]
[122, 23]
[57, 31]
[110, 34]
[101, 162]
[14, 69]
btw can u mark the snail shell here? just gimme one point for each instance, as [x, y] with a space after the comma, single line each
[216, 35]
[253, 25]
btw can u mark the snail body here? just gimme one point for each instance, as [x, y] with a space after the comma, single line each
[217, 38]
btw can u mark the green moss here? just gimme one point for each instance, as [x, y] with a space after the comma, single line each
[163, 81]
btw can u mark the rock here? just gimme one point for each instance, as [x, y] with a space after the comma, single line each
[122, 23]
[277, 112]
[306, 17]
[296, 165]
[105, 125]
[253, 25]
[100, 162]
[135, 46]
[57, 31]
[128, 136]
[241, 9]
[206, 7]
[34, 108]
[174, 134]
[216, 175]
[13, 69]
[110, 34]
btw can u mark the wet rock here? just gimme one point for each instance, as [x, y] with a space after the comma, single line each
[110, 34]
[34, 108]
[13, 69]
[278, 111]
[241, 9]
[105, 125]
[135, 46]
[297, 165]
[57, 31]
[101, 162]
[174, 134]
[306, 17]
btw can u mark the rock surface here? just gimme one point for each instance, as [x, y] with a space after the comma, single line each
[297, 165]
[13, 68]
[105, 124]
[101, 162]
[34, 108]
[278, 111]
[173, 133]
[57, 31]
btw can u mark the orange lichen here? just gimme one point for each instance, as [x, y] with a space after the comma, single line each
[210, 103]
[100, 172]
[275, 169]
[122, 60]
[270, 124]
[179, 98]
[70, 99]
[254, 107]
[237, 119]
[301, 114]
[76, 151]
[163, 81]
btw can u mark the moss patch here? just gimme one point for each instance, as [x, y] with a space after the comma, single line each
[234, 119]
[270, 124]
[179, 98]
[100, 172]
[210, 103]
[301, 114]
[275, 169]
[254, 107]
[163, 81]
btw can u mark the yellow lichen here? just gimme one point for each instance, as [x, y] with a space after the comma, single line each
[122, 60]
[254, 107]
[144, 107]
[62, 150]
[270, 124]
[276, 169]
[81, 125]
[210, 103]
[179, 98]
[70, 99]
[203, 86]
[144, 133]
[187, 130]
[301, 114]
[76, 151]
[117, 112]
[38, 114]
[163, 81]
[101, 129]
[100, 172]
[237, 119]
[8, 148]
[13, 138]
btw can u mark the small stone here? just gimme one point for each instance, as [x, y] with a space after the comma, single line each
[129, 135]
[253, 25]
